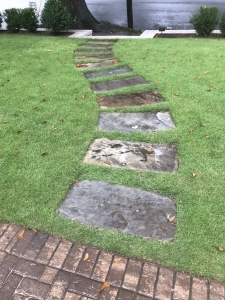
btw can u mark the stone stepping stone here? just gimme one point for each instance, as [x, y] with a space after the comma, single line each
[91, 51]
[134, 99]
[107, 73]
[95, 48]
[130, 122]
[117, 84]
[94, 58]
[99, 42]
[137, 156]
[105, 63]
[124, 209]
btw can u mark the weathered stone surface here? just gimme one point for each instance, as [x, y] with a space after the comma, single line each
[105, 63]
[107, 73]
[139, 156]
[117, 84]
[134, 99]
[100, 43]
[117, 207]
[129, 122]
[99, 57]
[91, 51]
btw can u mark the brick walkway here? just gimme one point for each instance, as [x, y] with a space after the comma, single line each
[41, 266]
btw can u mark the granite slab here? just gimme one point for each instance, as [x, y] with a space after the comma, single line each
[117, 71]
[96, 58]
[117, 84]
[131, 122]
[120, 208]
[133, 155]
[134, 99]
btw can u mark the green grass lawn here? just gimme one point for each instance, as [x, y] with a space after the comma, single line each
[48, 119]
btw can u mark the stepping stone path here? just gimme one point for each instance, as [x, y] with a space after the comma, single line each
[134, 99]
[124, 209]
[101, 204]
[130, 122]
[137, 156]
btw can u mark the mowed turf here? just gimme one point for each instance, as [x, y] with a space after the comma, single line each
[48, 119]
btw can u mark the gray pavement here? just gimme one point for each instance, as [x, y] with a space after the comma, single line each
[150, 14]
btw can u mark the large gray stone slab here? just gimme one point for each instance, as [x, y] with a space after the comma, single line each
[134, 99]
[137, 156]
[95, 48]
[130, 122]
[124, 209]
[117, 84]
[96, 58]
[107, 73]
[94, 51]
[100, 43]
[105, 63]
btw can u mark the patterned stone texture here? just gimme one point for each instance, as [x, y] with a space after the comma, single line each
[134, 99]
[107, 73]
[130, 122]
[124, 209]
[137, 156]
[117, 84]
[105, 63]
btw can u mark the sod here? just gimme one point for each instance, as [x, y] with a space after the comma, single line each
[49, 118]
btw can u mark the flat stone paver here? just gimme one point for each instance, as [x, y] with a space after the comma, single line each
[134, 99]
[95, 50]
[137, 156]
[117, 84]
[96, 58]
[120, 208]
[129, 278]
[131, 122]
[97, 65]
[117, 71]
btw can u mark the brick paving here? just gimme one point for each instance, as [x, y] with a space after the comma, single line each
[40, 266]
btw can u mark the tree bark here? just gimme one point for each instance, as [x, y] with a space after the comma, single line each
[130, 23]
[81, 15]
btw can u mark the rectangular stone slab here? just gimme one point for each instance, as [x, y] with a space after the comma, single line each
[107, 73]
[137, 156]
[134, 99]
[93, 51]
[97, 65]
[100, 57]
[94, 48]
[124, 209]
[117, 84]
[130, 122]
[100, 43]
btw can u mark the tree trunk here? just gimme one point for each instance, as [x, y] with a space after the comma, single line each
[130, 23]
[81, 15]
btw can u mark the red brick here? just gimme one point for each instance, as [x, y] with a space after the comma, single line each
[125, 295]
[8, 236]
[148, 279]
[74, 258]
[2, 256]
[60, 254]
[132, 275]
[182, 287]
[216, 290]
[72, 296]
[6, 267]
[164, 285]
[84, 286]
[47, 251]
[102, 266]
[116, 272]
[21, 244]
[109, 294]
[199, 289]
[60, 285]
[35, 245]
[9, 287]
[33, 288]
[48, 275]
[85, 267]
[29, 269]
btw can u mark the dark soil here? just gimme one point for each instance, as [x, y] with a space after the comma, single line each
[186, 35]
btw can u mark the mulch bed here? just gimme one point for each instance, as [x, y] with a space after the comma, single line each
[186, 35]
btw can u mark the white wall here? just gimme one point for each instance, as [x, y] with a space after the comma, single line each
[5, 4]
